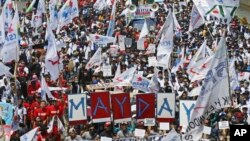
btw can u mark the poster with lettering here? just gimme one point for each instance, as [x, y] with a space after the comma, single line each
[186, 110]
[100, 106]
[77, 108]
[145, 106]
[121, 107]
[140, 83]
[121, 42]
[165, 107]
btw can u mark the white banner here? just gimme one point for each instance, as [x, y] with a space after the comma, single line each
[121, 42]
[140, 44]
[165, 105]
[77, 107]
[100, 39]
[152, 61]
[186, 110]
[140, 83]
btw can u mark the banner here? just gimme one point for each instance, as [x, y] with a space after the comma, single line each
[95, 60]
[186, 110]
[140, 44]
[121, 107]
[165, 107]
[6, 110]
[113, 50]
[140, 83]
[142, 12]
[145, 106]
[125, 78]
[100, 107]
[77, 108]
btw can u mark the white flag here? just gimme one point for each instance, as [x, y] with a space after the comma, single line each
[50, 125]
[100, 39]
[177, 26]
[7, 13]
[100, 5]
[45, 90]
[53, 18]
[4, 69]
[234, 82]
[52, 62]
[125, 78]
[196, 20]
[154, 85]
[172, 136]
[30, 135]
[214, 94]
[144, 30]
[2, 31]
[60, 126]
[111, 26]
[95, 60]
[165, 26]
[10, 50]
[37, 19]
[67, 13]
[140, 83]
[217, 9]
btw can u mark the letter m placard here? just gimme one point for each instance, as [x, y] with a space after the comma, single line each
[77, 109]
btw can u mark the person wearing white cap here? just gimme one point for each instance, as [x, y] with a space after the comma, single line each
[73, 136]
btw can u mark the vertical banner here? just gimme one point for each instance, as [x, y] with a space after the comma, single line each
[186, 110]
[145, 106]
[121, 107]
[165, 107]
[100, 106]
[77, 108]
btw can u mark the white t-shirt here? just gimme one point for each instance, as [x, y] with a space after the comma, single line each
[21, 112]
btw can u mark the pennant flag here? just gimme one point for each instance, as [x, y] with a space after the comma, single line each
[2, 31]
[67, 13]
[100, 107]
[53, 64]
[125, 78]
[217, 9]
[101, 40]
[165, 107]
[53, 14]
[118, 73]
[10, 50]
[29, 9]
[121, 107]
[37, 18]
[144, 30]
[180, 63]
[196, 20]
[95, 60]
[145, 106]
[165, 27]
[177, 26]
[45, 90]
[30, 135]
[77, 109]
[214, 93]
[100, 5]
[154, 85]
[50, 125]
[172, 136]
[112, 20]
[140, 83]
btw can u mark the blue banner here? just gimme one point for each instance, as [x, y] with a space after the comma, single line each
[6, 112]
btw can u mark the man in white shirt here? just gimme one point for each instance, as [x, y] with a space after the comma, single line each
[21, 111]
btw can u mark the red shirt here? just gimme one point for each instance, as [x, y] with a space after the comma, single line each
[42, 113]
[29, 110]
[33, 89]
[53, 111]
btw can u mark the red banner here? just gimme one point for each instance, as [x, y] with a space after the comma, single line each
[145, 106]
[121, 107]
[100, 106]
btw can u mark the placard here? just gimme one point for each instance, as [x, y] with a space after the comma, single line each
[139, 133]
[165, 107]
[223, 125]
[186, 110]
[140, 44]
[207, 130]
[151, 48]
[107, 71]
[152, 61]
[128, 42]
[121, 42]
[149, 122]
[164, 126]
[106, 139]
[77, 109]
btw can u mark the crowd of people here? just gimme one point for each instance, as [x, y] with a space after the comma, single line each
[75, 48]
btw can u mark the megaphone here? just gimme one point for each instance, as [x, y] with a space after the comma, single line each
[132, 8]
[154, 7]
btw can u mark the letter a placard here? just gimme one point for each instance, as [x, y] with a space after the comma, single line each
[77, 109]
[165, 107]
[121, 107]
[100, 106]
[145, 106]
